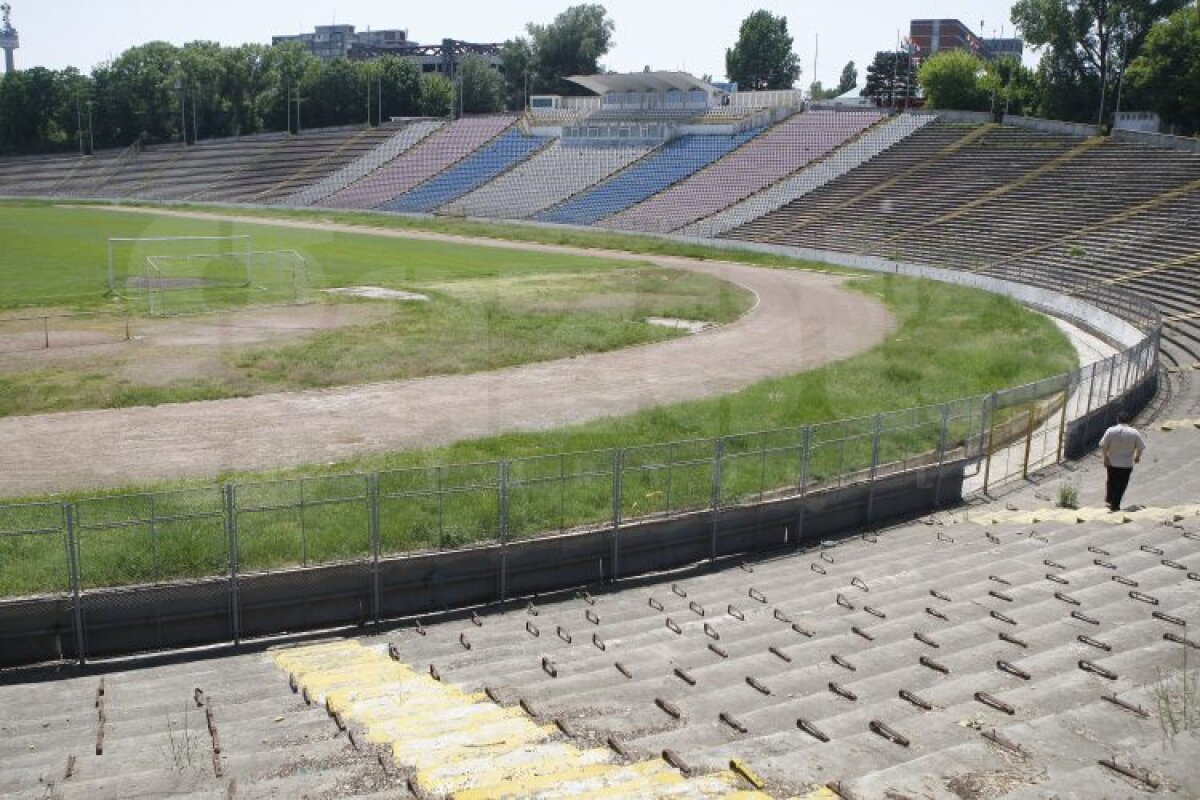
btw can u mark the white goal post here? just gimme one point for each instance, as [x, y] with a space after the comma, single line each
[156, 250]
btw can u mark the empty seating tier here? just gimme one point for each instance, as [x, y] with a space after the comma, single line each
[670, 163]
[549, 177]
[944, 170]
[418, 164]
[760, 162]
[484, 164]
[397, 143]
[850, 156]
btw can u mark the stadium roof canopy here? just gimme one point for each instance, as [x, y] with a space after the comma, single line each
[642, 82]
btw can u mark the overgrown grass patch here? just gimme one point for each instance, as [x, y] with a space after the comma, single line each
[490, 307]
[951, 343]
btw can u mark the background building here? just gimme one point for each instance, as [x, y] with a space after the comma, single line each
[328, 42]
[929, 36]
[441, 58]
[335, 41]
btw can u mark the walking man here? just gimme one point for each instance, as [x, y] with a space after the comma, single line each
[1122, 447]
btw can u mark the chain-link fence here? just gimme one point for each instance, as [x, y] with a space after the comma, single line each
[223, 557]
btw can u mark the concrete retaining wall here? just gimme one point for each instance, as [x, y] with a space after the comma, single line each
[169, 616]
[1052, 126]
[1083, 435]
[1190, 145]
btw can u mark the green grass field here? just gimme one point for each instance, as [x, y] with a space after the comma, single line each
[951, 343]
[488, 308]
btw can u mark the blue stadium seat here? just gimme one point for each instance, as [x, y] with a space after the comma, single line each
[468, 174]
[670, 163]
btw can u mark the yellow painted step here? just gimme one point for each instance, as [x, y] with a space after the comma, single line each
[459, 743]
[473, 770]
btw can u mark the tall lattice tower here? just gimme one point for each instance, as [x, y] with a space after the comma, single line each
[8, 37]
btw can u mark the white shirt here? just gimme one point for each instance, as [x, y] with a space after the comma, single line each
[1120, 444]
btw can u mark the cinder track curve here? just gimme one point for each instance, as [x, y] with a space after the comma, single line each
[802, 320]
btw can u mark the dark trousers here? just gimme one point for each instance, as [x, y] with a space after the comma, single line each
[1114, 490]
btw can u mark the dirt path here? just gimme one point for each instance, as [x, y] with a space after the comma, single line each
[802, 320]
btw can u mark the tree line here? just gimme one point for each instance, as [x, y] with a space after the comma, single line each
[159, 93]
[1142, 54]
[1098, 57]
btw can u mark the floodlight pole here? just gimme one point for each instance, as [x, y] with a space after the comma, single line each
[91, 137]
[182, 103]
[79, 123]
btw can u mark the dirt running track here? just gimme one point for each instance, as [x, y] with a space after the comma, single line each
[801, 320]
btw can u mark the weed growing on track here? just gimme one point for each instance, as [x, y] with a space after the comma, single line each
[951, 343]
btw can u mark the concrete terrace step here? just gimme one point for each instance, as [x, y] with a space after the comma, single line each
[464, 744]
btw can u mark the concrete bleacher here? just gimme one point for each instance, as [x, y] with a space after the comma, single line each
[143, 733]
[1009, 645]
[434, 153]
[294, 162]
[968, 165]
[38, 175]
[168, 171]
[780, 151]
[399, 142]
[668, 164]
[546, 179]
[1104, 180]
[756, 650]
[497, 156]
[812, 177]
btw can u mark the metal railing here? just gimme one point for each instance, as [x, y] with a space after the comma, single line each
[88, 550]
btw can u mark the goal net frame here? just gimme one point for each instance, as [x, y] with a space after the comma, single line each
[241, 245]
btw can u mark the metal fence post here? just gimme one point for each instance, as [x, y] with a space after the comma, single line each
[874, 467]
[718, 453]
[373, 530]
[1062, 424]
[989, 412]
[805, 465]
[942, 438]
[618, 466]
[1091, 387]
[235, 603]
[73, 566]
[1112, 373]
[1030, 424]
[502, 509]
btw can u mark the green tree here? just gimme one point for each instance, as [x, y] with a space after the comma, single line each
[1166, 76]
[1088, 38]
[437, 95]
[287, 66]
[848, 80]
[762, 58]
[244, 83]
[334, 93]
[481, 86]
[891, 79]
[1012, 88]
[571, 45]
[517, 63]
[401, 90]
[953, 79]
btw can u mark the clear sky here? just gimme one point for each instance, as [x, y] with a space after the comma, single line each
[664, 34]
